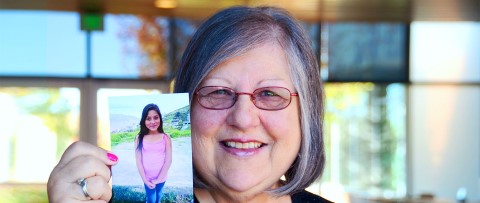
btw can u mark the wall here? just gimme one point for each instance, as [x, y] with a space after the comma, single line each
[444, 140]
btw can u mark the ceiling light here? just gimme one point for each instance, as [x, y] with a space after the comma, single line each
[166, 3]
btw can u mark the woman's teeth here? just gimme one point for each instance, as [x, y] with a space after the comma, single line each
[245, 145]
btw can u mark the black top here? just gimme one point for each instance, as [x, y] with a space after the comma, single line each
[300, 197]
[307, 197]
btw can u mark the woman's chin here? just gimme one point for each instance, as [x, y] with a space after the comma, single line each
[244, 184]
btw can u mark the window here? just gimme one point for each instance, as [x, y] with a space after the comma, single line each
[366, 51]
[445, 52]
[40, 43]
[133, 47]
[444, 108]
[365, 138]
[37, 125]
[364, 66]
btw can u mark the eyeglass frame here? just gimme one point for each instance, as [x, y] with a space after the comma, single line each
[252, 97]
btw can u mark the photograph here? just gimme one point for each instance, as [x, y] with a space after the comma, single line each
[151, 135]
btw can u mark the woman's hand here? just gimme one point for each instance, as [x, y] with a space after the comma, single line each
[81, 160]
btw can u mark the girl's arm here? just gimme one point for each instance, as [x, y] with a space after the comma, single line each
[168, 159]
[138, 158]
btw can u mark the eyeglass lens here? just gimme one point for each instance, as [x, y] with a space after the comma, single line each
[267, 98]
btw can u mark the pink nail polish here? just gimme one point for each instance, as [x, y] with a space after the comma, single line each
[112, 156]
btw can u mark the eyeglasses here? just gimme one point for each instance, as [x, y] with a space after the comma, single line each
[266, 98]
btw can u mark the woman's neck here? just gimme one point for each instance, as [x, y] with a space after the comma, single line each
[215, 196]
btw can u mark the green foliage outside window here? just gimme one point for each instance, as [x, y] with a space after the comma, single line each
[365, 138]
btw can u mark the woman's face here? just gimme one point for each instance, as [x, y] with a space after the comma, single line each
[262, 144]
[152, 121]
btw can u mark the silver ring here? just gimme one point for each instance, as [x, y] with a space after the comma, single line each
[83, 182]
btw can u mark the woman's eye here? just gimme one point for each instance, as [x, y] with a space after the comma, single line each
[267, 93]
[221, 92]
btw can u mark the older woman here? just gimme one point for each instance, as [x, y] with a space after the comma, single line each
[256, 115]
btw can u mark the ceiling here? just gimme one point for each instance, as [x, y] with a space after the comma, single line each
[307, 10]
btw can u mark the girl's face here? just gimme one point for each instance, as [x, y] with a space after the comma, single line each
[152, 121]
[244, 150]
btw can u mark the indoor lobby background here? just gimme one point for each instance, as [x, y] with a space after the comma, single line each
[402, 83]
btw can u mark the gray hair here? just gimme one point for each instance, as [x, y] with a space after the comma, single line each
[237, 30]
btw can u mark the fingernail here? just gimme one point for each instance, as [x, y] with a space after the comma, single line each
[112, 156]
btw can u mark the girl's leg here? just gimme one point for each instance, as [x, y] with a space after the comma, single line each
[159, 188]
[150, 194]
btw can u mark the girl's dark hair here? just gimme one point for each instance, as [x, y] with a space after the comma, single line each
[143, 128]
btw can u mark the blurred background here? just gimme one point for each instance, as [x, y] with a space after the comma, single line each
[402, 83]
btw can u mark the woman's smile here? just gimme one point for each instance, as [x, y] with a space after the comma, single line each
[242, 148]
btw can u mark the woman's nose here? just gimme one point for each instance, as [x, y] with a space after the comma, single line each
[244, 114]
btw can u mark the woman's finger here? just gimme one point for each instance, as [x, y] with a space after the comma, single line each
[93, 190]
[66, 182]
[84, 167]
[80, 148]
[97, 188]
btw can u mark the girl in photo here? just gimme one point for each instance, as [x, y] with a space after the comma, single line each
[153, 152]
